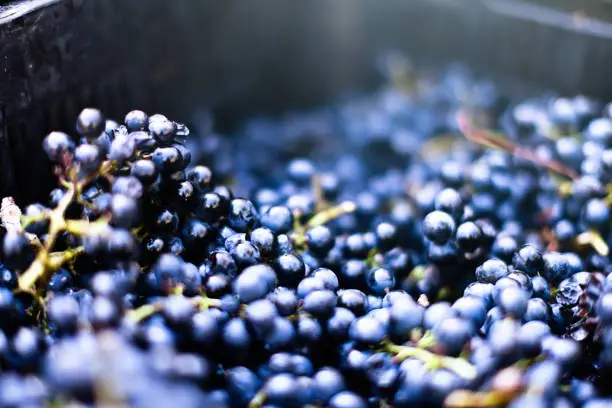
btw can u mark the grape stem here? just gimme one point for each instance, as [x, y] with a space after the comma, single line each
[145, 311]
[320, 218]
[502, 391]
[490, 139]
[40, 264]
[325, 216]
[471, 399]
[593, 238]
[317, 193]
[428, 340]
[45, 261]
[374, 258]
[460, 366]
[258, 400]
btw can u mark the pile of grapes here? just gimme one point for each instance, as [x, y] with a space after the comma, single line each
[416, 246]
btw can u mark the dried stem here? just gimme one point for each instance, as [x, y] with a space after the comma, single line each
[492, 140]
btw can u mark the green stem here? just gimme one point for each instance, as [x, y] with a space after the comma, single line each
[372, 260]
[144, 312]
[417, 273]
[427, 341]
[325, 216]
[205, 303]
[298, 235]
[460, 366]
[593, 237]
[258, 400]
[57, 259]
[83, 227]
[39, 266]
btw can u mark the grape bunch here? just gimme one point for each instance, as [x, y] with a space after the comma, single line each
[364, 254]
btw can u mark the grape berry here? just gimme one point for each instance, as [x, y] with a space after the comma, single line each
[471, 276]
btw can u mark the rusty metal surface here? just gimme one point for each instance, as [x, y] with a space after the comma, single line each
[57, 56]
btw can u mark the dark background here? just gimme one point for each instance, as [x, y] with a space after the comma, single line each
[244, 57]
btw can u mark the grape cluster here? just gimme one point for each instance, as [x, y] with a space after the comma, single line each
[400, 265]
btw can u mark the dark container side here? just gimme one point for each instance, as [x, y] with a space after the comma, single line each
[57, 56]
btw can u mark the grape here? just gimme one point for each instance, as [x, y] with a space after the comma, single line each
[340, 266]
